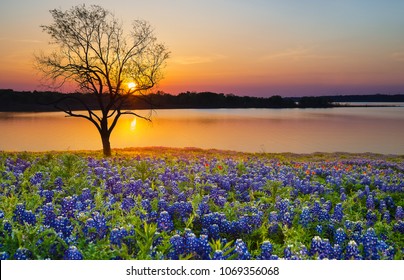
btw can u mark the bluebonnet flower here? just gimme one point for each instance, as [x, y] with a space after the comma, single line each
[390, 203]
[371, 218]
[343, 197]
[266, 250]
[146, 205]
[273, 217]
[58, 183]
[287, 253]
[389, 253]
[305, 217]
[96, 227]
[4, 256]
[340, 236]
[114, 185]
[303, 253]
[218, 255]
[214, 232]
[181, 209]
[63, 226]
[1, 214]
[338, 214]
[36, 179]
[326, 251]
[85, 195]
[191, 242]
[29, 217]
[68, 206]
[48, 195]
[399, 226]
[324, 215]
[134, 187]
[287, 219]
[117, 235]
[127, 204]
[283, 206]
[19, 213]
[164, 222]
[72, 253]
[399, 213]
[7, 226]
[23, 254]
[177, 245]
[242, 250]
[204, 249]
[315, 247]
[386, 216]
[382, 206]
[316, 209]
[352, 251]
[162, 205]
[370, 204]
[319, 229]
[337, 250]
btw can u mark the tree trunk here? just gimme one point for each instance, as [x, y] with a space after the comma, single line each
[106, 146]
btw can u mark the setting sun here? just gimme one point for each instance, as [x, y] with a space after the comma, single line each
[131, 85]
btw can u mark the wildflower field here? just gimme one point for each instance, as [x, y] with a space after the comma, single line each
[200, 204]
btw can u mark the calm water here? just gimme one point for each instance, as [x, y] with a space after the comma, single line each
[378, 130]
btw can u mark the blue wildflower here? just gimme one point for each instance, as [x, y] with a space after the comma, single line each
[164, 222]
[399, 226]
[214, 232]
[7, 226]
[340, 236]
[191, 242]
[266, 250]
[242, 250]
[352, 251]
[4, 256]
[204, 249]
[218, 255]
[117, 235]
[72, 253]
[305, 217]
[68, 206]
[338, 214]
[177, 245]
[23, 254]
[399, 213]
[36, 179]
[315, 247]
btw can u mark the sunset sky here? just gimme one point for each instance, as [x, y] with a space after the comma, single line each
[245, 47]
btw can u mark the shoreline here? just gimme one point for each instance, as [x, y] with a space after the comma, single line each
[50, 110]
[161, 151]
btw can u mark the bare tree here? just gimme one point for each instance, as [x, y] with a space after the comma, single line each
[94, 53]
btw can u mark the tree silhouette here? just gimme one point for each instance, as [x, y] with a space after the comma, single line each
[94, 53]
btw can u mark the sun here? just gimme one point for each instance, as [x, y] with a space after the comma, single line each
[131, 85]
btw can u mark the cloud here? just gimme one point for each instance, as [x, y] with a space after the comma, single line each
[298, 53]
[188, 60]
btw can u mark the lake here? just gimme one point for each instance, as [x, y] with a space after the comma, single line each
[367, 129]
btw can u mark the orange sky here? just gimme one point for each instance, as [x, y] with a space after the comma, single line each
[255, 47]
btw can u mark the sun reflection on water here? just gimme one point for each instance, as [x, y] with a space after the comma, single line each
[133, 124]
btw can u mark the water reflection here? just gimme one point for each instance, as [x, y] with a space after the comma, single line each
[254, 130]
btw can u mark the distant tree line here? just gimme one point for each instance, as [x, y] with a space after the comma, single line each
[44, 101]
[368, 98]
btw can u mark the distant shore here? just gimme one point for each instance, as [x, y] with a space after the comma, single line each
[14, 101]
